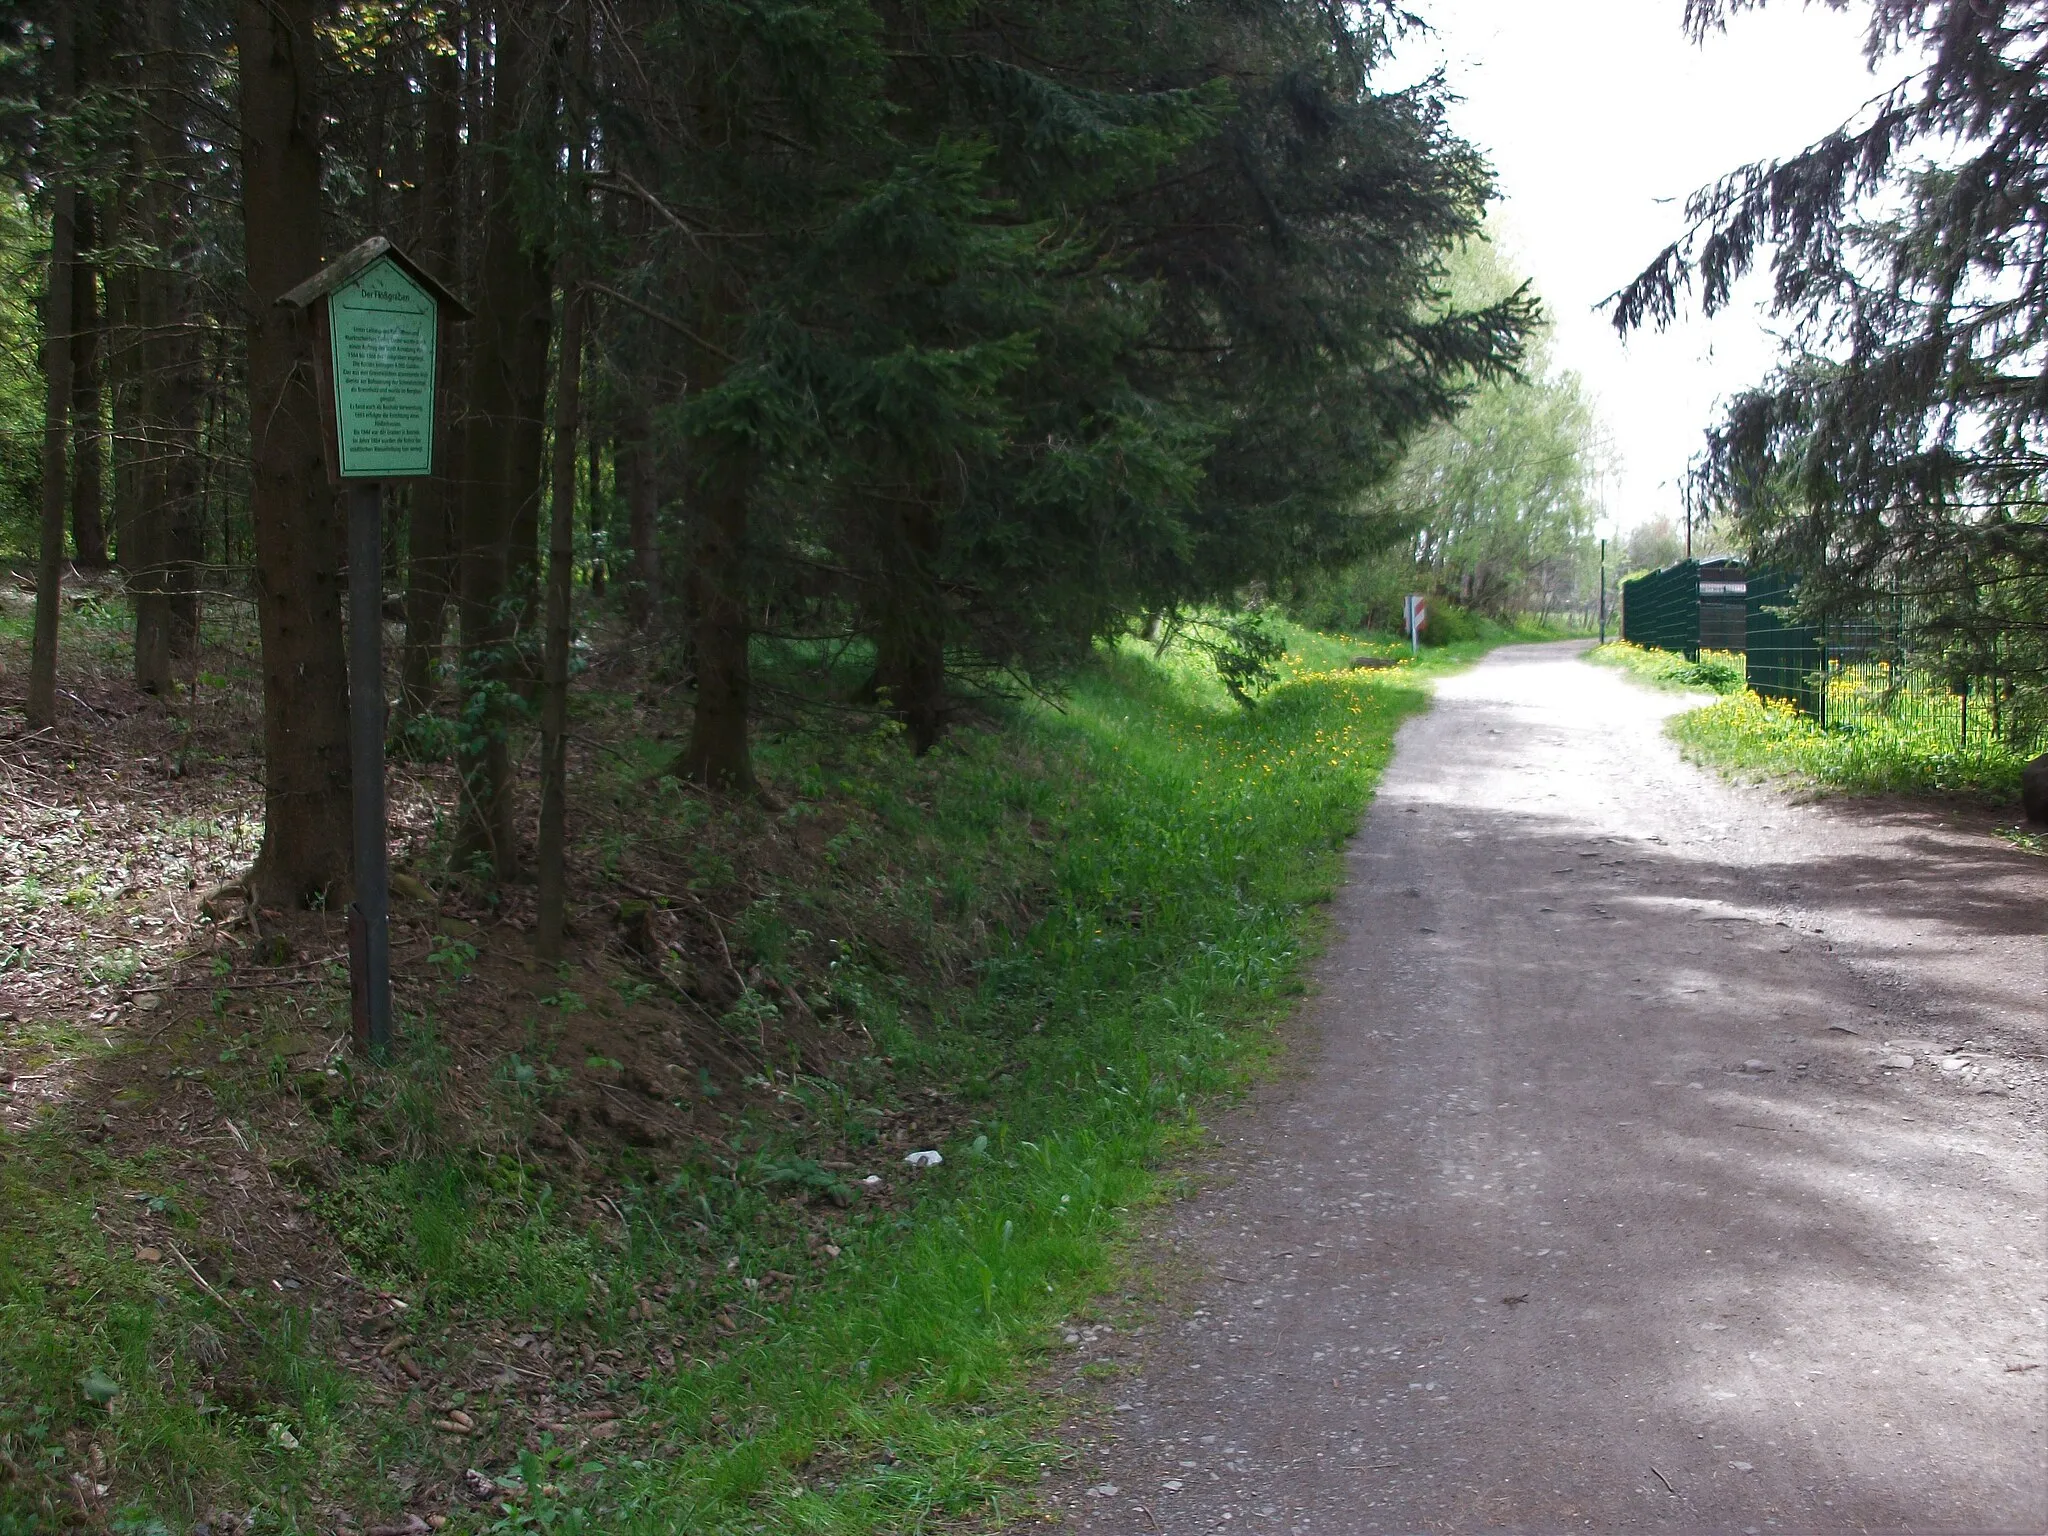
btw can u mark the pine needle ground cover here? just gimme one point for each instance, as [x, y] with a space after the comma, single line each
[634, 1245]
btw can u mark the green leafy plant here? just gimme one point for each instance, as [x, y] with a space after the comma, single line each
[1749, 734]
[1243, 649]
[452, 957]
[1710, 672]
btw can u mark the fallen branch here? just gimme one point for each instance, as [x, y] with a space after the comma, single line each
[179, 1254]
[204, 985]
[221, 893]
[555, 1125]
[711, 916]
[74, 698]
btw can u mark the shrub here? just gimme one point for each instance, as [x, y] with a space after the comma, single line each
[1448, 624]
[1717, 671]
[1714, 671]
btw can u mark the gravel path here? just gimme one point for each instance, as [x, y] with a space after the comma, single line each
[1606, 1197]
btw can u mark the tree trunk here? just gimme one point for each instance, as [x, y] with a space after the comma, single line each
[635, 470]
[124, 385]
[167, 536]
[717, 754]
[482, 751]
[554, 704]
[183, 530]
[594, 452]
[42, 676]
[528, 442]
[298, 533]
[910, 676]
[527, 447]
[145, 554]
[146, 543]
[429, 558]
[146, 546]
[496, 482]
[910, 631]
[88, 433]
[430, 551]
[181, 527]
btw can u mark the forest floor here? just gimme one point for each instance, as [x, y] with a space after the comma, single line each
[632, 1242]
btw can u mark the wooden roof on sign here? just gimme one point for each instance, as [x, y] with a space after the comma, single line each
[351, 262]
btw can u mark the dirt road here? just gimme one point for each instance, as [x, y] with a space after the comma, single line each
[1605, 1198]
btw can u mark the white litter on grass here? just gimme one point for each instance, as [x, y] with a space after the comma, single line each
[924, 1159]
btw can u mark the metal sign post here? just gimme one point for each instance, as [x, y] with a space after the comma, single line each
[377, 320]
[369, 915]
[1415, 614]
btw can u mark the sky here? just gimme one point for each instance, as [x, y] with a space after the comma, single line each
[1600, 118]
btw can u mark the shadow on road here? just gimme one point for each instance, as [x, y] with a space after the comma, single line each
[1606, 1201]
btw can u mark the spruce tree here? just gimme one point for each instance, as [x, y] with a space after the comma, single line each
[1896, 452]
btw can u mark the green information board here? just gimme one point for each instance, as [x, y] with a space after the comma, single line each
[383, 327]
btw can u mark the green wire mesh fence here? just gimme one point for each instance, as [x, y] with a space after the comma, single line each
[1865, 674]
[1690, 606]
[1785, 659]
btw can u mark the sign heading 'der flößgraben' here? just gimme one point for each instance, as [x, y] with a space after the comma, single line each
[383, 328]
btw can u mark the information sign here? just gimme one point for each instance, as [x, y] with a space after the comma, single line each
[377, 316]
[383, 328]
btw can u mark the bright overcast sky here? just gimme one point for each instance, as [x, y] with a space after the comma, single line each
[1600, 118]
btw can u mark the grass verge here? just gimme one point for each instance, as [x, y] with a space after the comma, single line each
[1874, 752]
[1712, 672]
[1769, 738]
[320, 1298]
